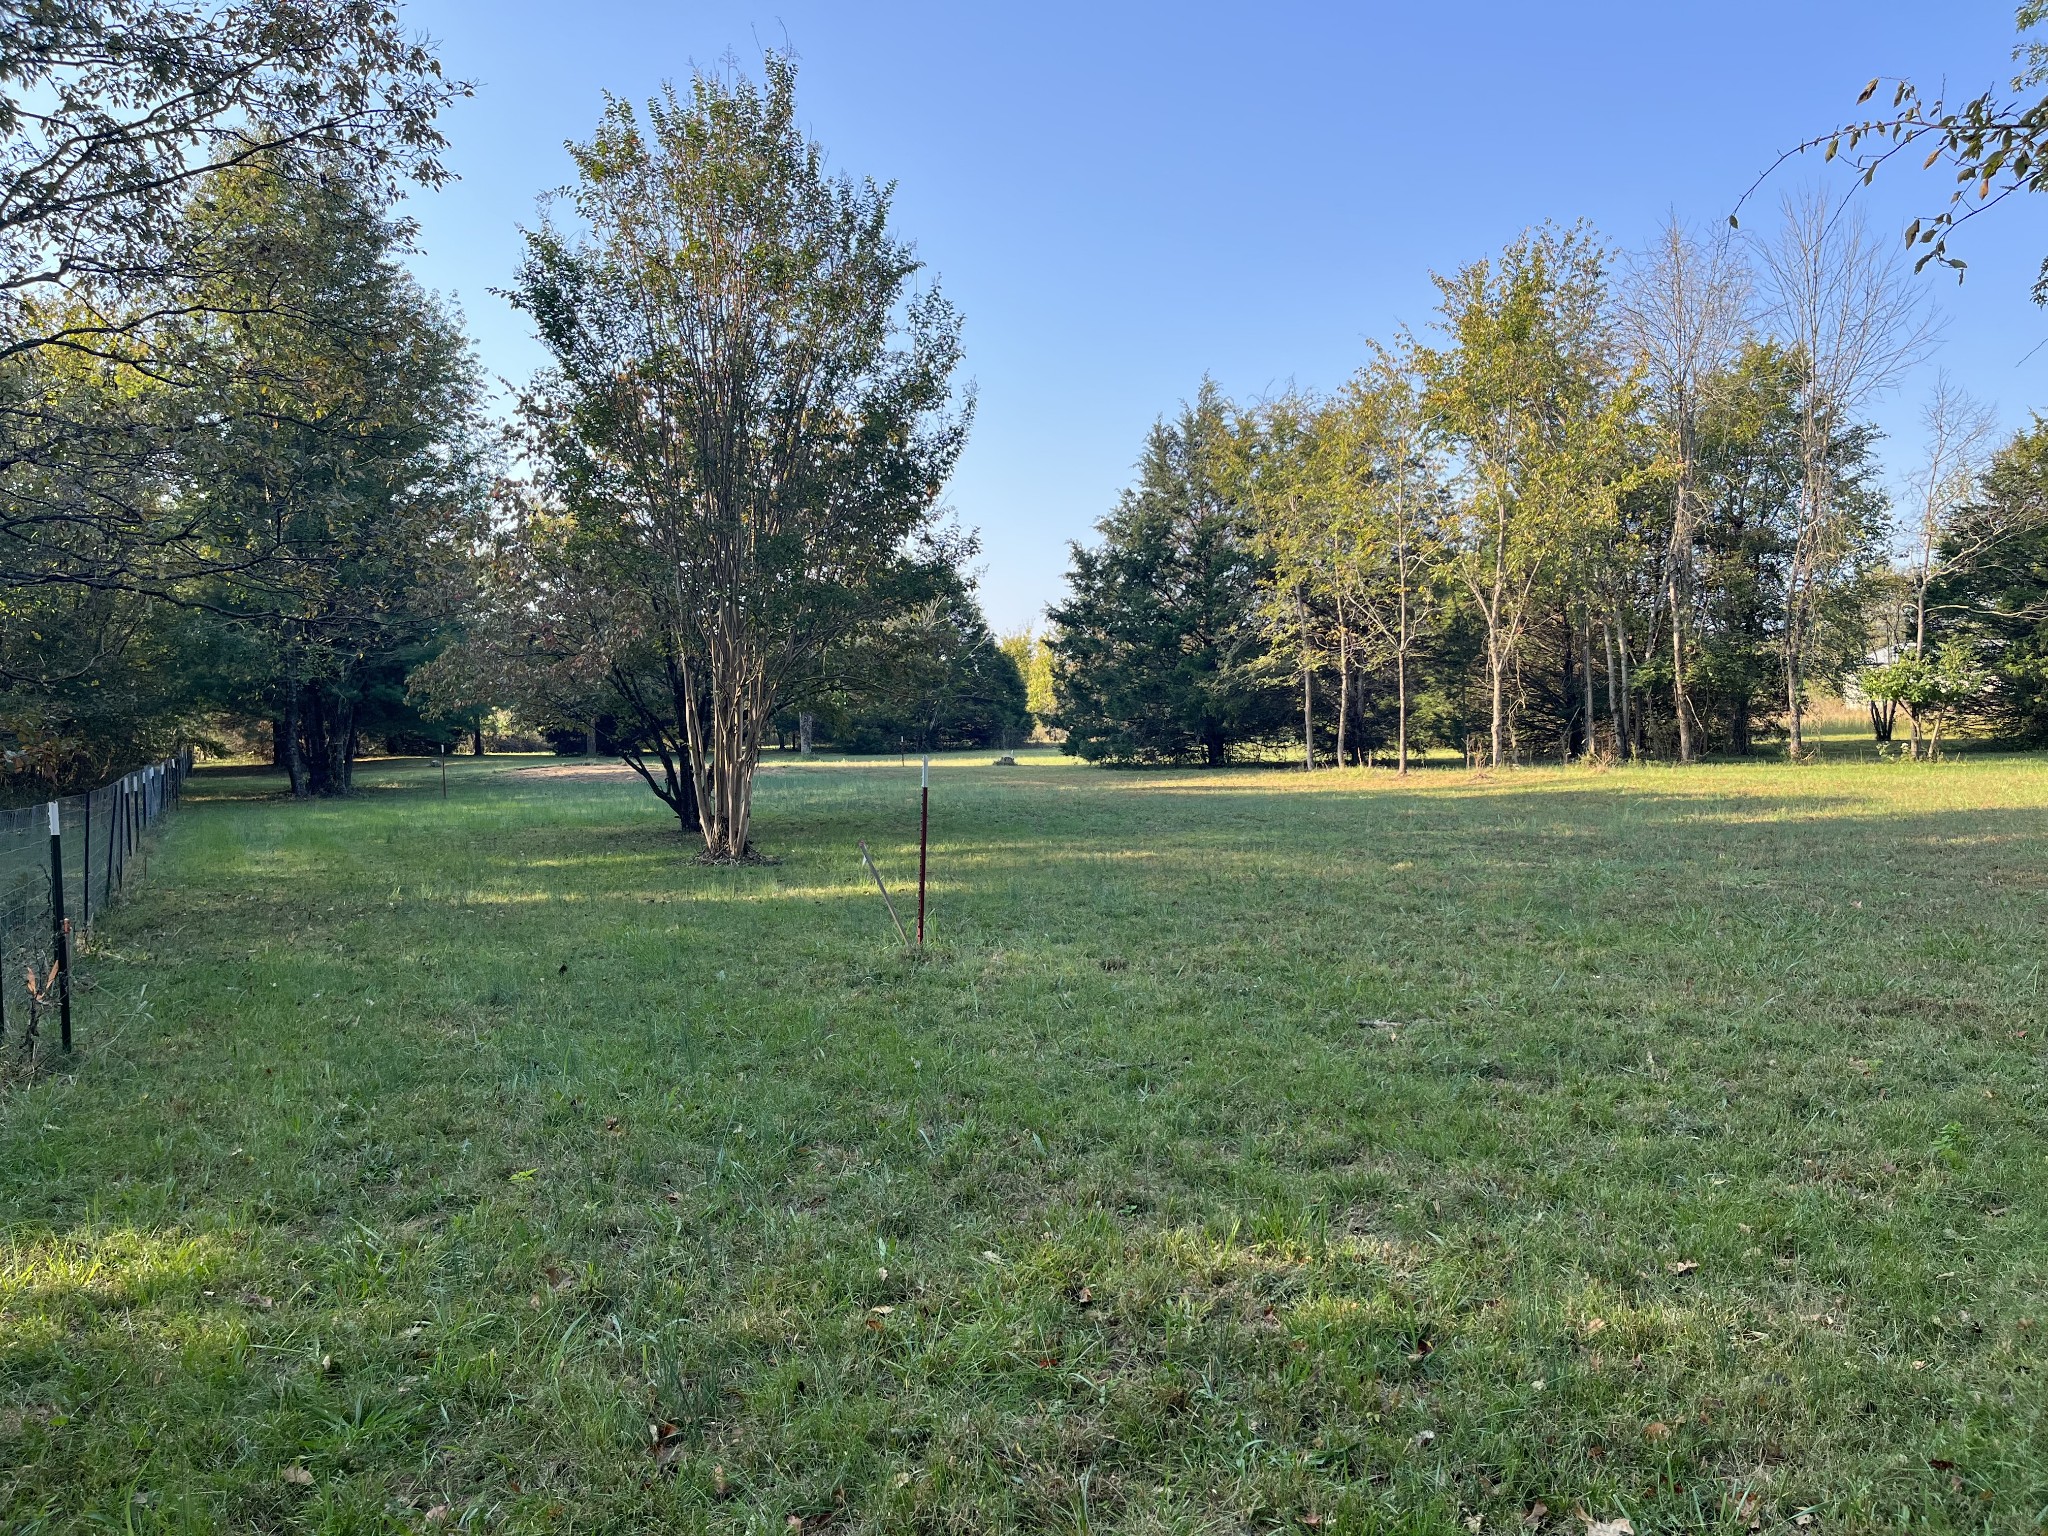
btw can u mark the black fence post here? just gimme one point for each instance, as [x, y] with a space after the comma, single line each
[85, 872]
[60, 930]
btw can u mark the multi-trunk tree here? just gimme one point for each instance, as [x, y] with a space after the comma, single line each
[749, 401]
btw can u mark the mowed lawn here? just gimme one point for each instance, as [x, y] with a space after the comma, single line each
[1251, 1152]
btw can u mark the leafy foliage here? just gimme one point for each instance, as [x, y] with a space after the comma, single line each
[1159, 646]
[749, 407]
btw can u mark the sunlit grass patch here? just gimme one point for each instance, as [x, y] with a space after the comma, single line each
[1248, 1149]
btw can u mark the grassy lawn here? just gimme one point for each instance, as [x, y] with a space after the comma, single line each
[1252, 1152]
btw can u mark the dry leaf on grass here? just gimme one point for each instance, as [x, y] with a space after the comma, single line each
[1683, 1266]
[296, 1474]
[665, 1445]
[1656, 1429]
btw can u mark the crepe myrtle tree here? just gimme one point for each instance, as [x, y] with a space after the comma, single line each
[748, 392]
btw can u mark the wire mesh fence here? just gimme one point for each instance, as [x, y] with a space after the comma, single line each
[62, 864]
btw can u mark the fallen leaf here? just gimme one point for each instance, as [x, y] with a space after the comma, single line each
[881, 1311]
[260, 1303]
[1536, 1513]
[1803, 1519]
[901, 1480]
[1656, 1430]
[1425, 1438]
[665, 1445]
[296, 1474]
[1619, 1526]
[1084, 1296]
[1941, 1464]
[994, 1258]
[1595, 1325]
[437, 1514]
[1683, 1266]
[611, 1123]
[1473, 1522]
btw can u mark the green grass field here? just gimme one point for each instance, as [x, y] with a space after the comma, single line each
[1252, 1152]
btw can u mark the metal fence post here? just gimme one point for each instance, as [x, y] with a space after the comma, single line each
[85, 872]
[924, 819]
[60, 929]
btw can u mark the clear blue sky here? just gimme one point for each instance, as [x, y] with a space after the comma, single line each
[1121, 197]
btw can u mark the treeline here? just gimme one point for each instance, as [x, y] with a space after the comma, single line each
[1626, 506]
[241, 451]
[251, 493]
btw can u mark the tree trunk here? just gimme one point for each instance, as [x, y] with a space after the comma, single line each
[294, 747]
[1343, 682]
[1308, 721]
[1628, 712]
[1678, 592]
[724, 712]
[1794, 745]
[476, 742]
[1680, 705]
[1586, 678]
[1401, 670]
[1566, 689]
[1613, 718]
[590, 739]
[805, 725]
[1498, 684]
